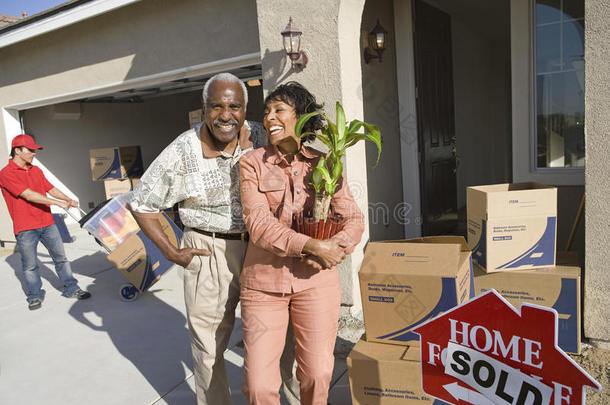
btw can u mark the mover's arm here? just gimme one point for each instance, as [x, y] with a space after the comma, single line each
[37, 198]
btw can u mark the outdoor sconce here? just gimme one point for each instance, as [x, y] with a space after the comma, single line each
[377, 38]
[292, 45]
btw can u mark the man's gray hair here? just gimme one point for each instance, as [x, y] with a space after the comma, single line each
[225, 78]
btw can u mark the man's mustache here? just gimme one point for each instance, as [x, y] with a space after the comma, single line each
[232, 122]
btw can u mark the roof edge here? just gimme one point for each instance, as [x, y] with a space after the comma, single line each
[58, 17]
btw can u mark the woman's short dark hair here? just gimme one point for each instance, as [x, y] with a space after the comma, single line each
[294, 94]
[13, 151]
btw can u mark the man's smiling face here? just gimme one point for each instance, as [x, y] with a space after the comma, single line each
[224, 111]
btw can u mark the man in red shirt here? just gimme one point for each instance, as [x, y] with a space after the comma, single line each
[24, 188]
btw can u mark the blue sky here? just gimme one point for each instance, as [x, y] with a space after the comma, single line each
[15, 7]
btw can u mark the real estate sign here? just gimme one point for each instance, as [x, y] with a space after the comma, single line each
[485, 352]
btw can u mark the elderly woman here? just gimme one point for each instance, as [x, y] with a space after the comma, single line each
[288, 276]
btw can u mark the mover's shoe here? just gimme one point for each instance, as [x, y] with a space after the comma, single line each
[34, 304]
[81, 295]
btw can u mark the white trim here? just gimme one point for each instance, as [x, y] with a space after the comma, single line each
[9, 119]
[63, 19]
[12, 125]
[144, 81]
[409, 145]
[522, 82]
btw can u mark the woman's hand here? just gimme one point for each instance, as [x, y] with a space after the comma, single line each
[328, 252]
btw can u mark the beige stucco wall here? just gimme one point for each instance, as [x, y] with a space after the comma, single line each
[597, 173]
[111, 47]
[380, 98]
[331, 40]
[143, 39]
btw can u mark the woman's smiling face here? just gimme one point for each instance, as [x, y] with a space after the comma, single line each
[279, 120]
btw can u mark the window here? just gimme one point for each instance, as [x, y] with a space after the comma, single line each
[559, 84]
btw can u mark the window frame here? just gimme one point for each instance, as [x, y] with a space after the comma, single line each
[523, 84]
[534, 90]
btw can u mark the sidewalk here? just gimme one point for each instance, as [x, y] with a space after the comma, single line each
[103, 350]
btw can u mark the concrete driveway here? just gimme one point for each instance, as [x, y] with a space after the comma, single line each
[103, 350]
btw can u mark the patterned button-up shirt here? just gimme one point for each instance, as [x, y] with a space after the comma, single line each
[203, 181]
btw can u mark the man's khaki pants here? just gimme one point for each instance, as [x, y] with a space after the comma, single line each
[211, 294]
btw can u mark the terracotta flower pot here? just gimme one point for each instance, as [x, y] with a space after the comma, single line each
[322, 229]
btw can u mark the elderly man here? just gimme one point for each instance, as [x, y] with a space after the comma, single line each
[199, 170]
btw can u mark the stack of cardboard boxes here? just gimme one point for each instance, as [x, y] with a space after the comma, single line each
[512, 235]
[403, 284]
[512, 231]
[119, 168]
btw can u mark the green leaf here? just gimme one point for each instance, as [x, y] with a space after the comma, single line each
[316, 176]
[324, 139]
[325, 174]
[337, 170]
[372, 133]
[304, 134]
[301, 122]
[354, 126]
[330, 188]
[340, 125]
[333, 135]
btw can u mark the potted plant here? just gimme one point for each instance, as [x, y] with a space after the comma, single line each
[322, 224]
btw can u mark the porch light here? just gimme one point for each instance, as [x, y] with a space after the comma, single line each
[377, 38]
[292, 45]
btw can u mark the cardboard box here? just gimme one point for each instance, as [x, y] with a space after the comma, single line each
[117, 187]
[552, 287]
[139, 259]
[195, 117]
[383, 374]
[512, 226]
[116, 163]
[404, 283]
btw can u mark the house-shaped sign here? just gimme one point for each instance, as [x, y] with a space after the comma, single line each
[485, 352]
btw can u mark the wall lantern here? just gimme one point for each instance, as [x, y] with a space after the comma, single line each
[377, 39]
[292, 45]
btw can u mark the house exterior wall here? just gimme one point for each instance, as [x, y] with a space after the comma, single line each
[331, 33]
[386, 212]
[110, 49]
[597, 173]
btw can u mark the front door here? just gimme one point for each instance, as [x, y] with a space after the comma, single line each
[435, 119]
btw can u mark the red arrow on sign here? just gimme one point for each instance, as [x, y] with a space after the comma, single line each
[485, 352]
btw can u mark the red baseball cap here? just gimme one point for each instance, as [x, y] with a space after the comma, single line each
[24, 140]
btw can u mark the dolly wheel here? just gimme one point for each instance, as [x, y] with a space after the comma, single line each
[128, 292]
